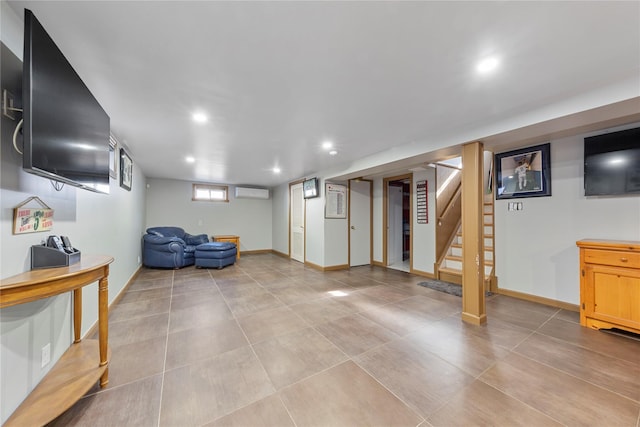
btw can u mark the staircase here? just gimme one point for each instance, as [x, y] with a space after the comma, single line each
[450, 268]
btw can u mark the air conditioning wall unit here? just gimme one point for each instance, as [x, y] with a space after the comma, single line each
[252, 193]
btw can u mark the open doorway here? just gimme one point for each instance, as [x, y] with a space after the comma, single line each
[398, 236]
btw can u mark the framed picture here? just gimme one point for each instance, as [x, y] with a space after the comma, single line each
[523, 173]
[335, 205]
[126, 170]
[113, 158]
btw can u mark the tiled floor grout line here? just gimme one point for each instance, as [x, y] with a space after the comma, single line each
[166, 350]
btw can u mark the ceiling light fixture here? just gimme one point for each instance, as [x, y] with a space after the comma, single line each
[276, 170]
[199, 117]
[333, 152]
[487, 65]
[327, 145]
[190, 159]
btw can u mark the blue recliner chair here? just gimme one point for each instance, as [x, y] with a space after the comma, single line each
[170, 247]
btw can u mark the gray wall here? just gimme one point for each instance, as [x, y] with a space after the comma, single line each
[169, 203]
[536, 249]
[96, 224]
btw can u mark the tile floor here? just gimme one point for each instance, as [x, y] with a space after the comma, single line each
[268, 342]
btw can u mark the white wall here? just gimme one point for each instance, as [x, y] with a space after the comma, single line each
[424, 235]
[376, 239]
[96, 224]
[280, 218]
[535, 248]
[169, 203]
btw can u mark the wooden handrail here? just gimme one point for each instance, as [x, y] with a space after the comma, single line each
[452, 200]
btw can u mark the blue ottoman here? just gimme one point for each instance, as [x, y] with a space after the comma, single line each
[215, 254]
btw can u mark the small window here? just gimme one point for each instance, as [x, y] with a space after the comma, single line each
[210, 193]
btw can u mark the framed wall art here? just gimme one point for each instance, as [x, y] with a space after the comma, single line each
[126, 170]
[525, 172]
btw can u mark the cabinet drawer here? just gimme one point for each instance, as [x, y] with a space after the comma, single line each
[615, 258]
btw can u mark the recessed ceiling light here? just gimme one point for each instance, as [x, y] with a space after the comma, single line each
[276, 170]
[327, 145]
[199, 117]
[333, 152]
[190, 159]
[487, 65]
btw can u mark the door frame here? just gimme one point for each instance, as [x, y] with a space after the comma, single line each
[370, 221]
[385, 217]
[304, 222]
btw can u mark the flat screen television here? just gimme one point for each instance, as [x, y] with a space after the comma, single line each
[310, 188]
[66, 131]
[612, 163]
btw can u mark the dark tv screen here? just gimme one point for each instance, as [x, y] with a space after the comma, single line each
[612, 163]
[66, 131]
[310, 188]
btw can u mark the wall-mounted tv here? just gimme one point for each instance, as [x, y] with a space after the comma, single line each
[66, 131]
[310, 188]
[612, 163]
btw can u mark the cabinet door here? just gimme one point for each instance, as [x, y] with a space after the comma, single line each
[613, 295]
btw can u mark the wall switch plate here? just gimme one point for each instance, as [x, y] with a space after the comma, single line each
[46, 355]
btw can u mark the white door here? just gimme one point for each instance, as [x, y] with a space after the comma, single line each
[394, 225]
[359, 223]
[297, 223]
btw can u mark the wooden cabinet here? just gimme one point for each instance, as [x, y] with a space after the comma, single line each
[610, 284]
[86, 361]
[231, 239]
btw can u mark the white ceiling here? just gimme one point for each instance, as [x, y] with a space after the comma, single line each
[277, 78]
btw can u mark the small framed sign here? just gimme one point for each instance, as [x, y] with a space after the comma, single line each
[32, 220]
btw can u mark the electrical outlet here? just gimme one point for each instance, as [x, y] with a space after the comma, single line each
[138, 259]
[46, 355]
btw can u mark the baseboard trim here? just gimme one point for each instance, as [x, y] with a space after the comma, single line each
[473, 319]
[257, 251]
[423, 274]
[94, 328]
[540, 300]
[378, 264]
[328, 268]
[280, 254]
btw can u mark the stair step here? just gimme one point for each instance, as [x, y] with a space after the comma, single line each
[455, 272]
[459, 246]
[459, 259]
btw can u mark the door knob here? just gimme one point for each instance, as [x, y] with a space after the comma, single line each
[353, 227]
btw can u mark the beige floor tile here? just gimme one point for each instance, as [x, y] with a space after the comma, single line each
[134, 404]
[196, 298]
[598, 341]
[471, 353]
[479, 404]
[132, 362]
[345, 395]
[254, 303]
[619, 376]
[192, 345]
[355, 334]
[321, 310]
[207, 313]
[272, 323]
[421, 379]
[135, 296]
[202, 392]
[268, 412]
[397, 319]
[142, 285]
[297, 355]
[138, 329]
[296, 293]
[141, 308]
[561, 396]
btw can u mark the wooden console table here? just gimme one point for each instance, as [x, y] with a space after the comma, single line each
[229, 238]
[85, 361]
